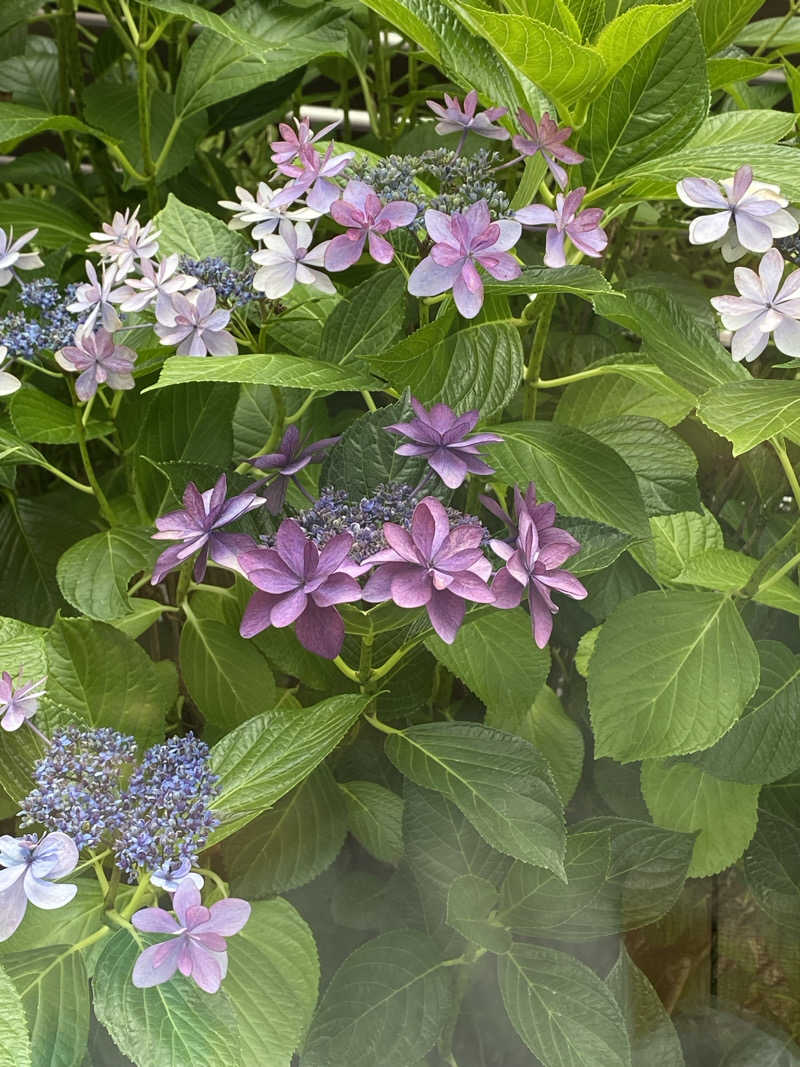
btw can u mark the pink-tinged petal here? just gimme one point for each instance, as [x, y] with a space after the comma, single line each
[556, 170]
[227, 917]
[257, 614]
[471, 587]
[446, 613]
[439, 227]
[430, 526]
[400, 541]
[510, 233]
[334, 553]
[447, 255]
[356, 193]
[500, 265]
[450, 467]
[787, 336]
[742, 180]
[321, 630]
[56, 855]
[290, 542]
[430, 279]
[554, 249]
[412, 588]
[155, 965]
[155, 921]
[501, 548]
[379, 584]
[380, 249]
[506, 589]
[770, 271]
[535, 215]
[752, 233]
[398, 213]
[701, 192]
[342, 252]
[209, 940]
[467, 295]
[347, 215]
[541, 617]
[186, 896]
[563, 582]
[709, 228]
[205, 968]
[13, 904]
[288, 608]
[338, 589]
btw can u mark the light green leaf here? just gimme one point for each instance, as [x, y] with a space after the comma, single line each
[257, 368]
[679, 538]
[581, 281]
[169, 1025]
[620, 39]
[732, 127]
[650, 1029]
[375, 817]
[779, 32]
[15, 1045]
[366, 321]
[583, 653]
[764, 744]
[188, 231]
[385, 1005]
[553, 12]
[499, 781]
[729, 571]
[627, 389]
[272, 981]
[772, 869]
[671, 672]
[721, 21]
[265, 757]
[470, 904]
[562, 1011]
[54, 989]
[750, 412]
[20, 645]
[683, 797]
[45, 420]
[581, 475]
[495, 656]
[95, 573]
[722, 72]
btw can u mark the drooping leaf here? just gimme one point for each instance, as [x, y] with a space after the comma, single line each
[650, 1030]
[375, 817]
[748, 413]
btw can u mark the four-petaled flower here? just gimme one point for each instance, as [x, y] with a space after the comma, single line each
[18, 703]
[287, 258]
[292, 456]
[453, 118]
[194, 323]
[533, 562]
[362, 212]
[294, 143]
[196, 525]
[566, 220]
[97, 359]
[431, 566]
[30, 867]
[124, 240]
[312, 176]
[12, 258]
[297, 583]
[171, 877]
[9, 383]
[97, 297]
[197, 947]
[747, 216]
[464, 240]
[260, 212]
[157, 285]
[440, 436]
[764, 307]
[547, 138]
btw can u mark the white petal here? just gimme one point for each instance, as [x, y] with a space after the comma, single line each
[709, 228]
[787, 336]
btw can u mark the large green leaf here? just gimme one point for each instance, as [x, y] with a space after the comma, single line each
[650, 1030]
[257, 368]
[600, 544]
[499, 781]
[581, 475]
[670, 673]
[728, 571]
[772, 869]
[41, 418]
[628, 388]
[188, 231]
[764, 744]
[291, 843]
[54, 989]
[385, 1005]
[95, 573]
[494, 655]
[625, 35]
[732, 127]
[621, 874]
[562, 1011]
[367, 321]
[375, 817]
[169, 1025]
[58, 226]
[15, 1045]
[722, 20]
[272, 980]
[681, 537]
[750, 412]
[265, 757]
[581, 281]
[18, 122]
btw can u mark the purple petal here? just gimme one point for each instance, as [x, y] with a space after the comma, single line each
[288, 607]
[379, 584]
[55, 856]
[257, 614]
[338, 589]
[446, 613]
[155, 921]
[430, 279]
[227, 917]
[507, 590]
[157, 964]
[321, 630]
[342, 252]
[412, 588]
[290, 541]
[13, 903]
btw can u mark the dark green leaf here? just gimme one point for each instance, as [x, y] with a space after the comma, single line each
[650, 1030]
[375, 817]
[292, 372]
[772, 869]
[367, 321]
[470, 904]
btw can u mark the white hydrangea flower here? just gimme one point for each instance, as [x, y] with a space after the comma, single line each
[261, 213]
[12, 257]
[763, 308]
[8, 382]
[287, 259]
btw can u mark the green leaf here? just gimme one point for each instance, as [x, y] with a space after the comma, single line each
[650, 1030]
[83, 916]
[750, 412]
[722, 20]
[732, 127]
[583, 653]
[470, 904]
[722, 72]
[653, 105]
[101, 677]
[683, 797]
[54, 989]
[291, 843]
[367, 320]
[664, 465]
[265, 757]
[627, 389]
[58, 227]
[167, 1025]
[40, 418]
[14, 12]
[621, 874]
[386, 1004]
[272, 981]
[620, 39]
[15, 1045]
[582, 476]
[18, 122]
[495, 656]
[580, 280]
[681, 537]
[95, 573]
[32, 79]
[375, 817]
[772, 869]
[764, 31]
[764, 744]
[498, 781]
[600, 545]
[475, 365]
[227, 677]
[671, 673]
[257, 368]
[562, 1011]
[729, 571]
[188, 231]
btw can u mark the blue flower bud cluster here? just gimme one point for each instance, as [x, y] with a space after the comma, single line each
[231, 286]
[42, 323]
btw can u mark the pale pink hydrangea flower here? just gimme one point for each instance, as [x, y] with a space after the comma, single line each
[763, 308]
[566, 220]
[288, 259]
[194, 323]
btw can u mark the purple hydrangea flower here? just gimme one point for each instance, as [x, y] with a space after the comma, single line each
[312, 177]
[293, 144]
[287, 258]
[12, 258]
[196, 525]
[96, 298]
[124, 240]
[296, 583]
[431, 566]
[453, 118]
[30, 868]
[194, 323]
[171, 875]
[197, 947]
[292, 456]
[747, 215]
[20, 702]
[97, 360]
[533, 562]
[547, 138]
[362, 212]
[464, 240]
[566, 220]
[763, 307]
[543, 513]
[157, 285]
[440, 436]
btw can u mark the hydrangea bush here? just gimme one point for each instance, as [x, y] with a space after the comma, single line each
[399, 615]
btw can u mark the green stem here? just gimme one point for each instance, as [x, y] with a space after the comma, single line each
[215, 878]
[373, 720]
[91, 477]
[788, 469]
[768, 41]
[371, 405]
[141, 892]
[393, 660]
[90, 863]
[773, 578]
[143, 106]
[768, 559]
[345, 669]
[579, 376]
[365, 659]
[111, 889]
[380, 67]
[537, 355]
[297, 415]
